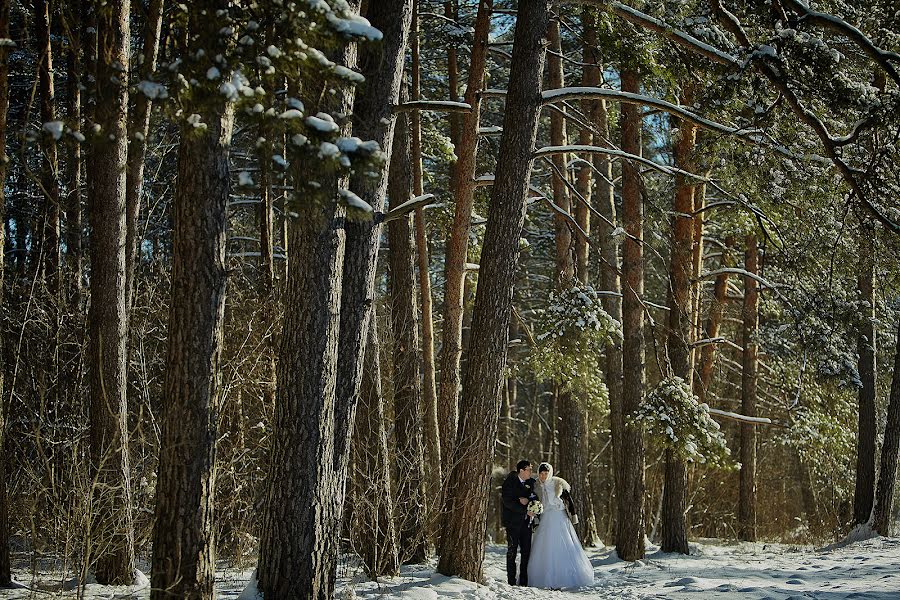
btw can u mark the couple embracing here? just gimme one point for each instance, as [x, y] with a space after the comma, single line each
[538, 515]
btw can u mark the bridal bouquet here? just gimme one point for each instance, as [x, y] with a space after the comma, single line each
[535, 507]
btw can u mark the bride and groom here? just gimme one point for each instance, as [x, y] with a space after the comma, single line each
[552, 556]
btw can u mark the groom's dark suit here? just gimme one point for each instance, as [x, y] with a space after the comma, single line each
[518, 528]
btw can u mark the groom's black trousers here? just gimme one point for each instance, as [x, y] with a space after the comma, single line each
[518, 538]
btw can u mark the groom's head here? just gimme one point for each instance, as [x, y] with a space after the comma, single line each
[523, 468]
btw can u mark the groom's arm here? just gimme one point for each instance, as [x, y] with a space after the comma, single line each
[510, 495]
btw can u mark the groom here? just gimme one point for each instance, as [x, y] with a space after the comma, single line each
[517, 492]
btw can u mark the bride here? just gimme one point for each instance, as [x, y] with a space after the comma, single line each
[557, 559]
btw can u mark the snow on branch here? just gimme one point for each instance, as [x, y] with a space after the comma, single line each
[679, 37]
[434, 105]
[404, 209]
[836, 24]
[742, 418]
[742, 272]
[576, 148]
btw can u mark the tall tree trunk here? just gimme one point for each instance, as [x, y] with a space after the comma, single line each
[74, 165]
[112, 528]
[323, 336]
[5, 568]
[429, 384]
[747, 500]
[49, 161]
[716, 312]
[374, 532]
[697, 267]
[373, 119]
[463, 188]
[451, 11]
[409, 418]
[864, 495]
[890, 454]
[463, 552]
[573, 439]
[631, 525]
[607, 260]
[184, 547]
[681, 319]
[139, 127]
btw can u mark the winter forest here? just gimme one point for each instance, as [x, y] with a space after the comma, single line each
[289, 286]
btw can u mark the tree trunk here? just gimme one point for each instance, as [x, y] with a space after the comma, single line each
[429, 387]
[184, 530]
[74, 165]
[864, 495]
[112, 531]
[325, 325]
[463, 188]
[451, 11]
[408, 411]
[5, 569]
[139, 127]
[607, 261]
[49, 162]
[747, 501]
[631, 525]
[573, 439]
[373, 119]
[374, 532]
[716, 312]
[890, 453]
[674, 520]
[463, 552]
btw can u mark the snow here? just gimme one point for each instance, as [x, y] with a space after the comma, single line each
[322, 122]
[153, 90]
[354, 201]
[354, 26]
[54, 128]
[716, 569]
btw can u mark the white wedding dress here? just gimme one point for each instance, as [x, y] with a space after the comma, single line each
[557, 558]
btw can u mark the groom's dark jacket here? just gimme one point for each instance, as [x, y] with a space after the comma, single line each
[513, 513]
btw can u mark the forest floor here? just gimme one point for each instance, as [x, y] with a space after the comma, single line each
[715, 570]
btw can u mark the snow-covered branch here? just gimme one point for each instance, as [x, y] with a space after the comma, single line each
[434, 105]
[404, 209]
[838, 25]
[741, 272]
[742, 418]
[576, 148]
[681, 38]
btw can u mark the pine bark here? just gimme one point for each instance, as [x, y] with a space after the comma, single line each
[408, 408]
[864, 495]
[375, 536]
[49, 159]
[184, 530]
[73, 233]
[681, 319]
[631, 524]
[5, 567]
[713, 322]
[373, 119]
[139, 127]
[747, 488]
[433, 449]
[112, 530]
[463, 552]
[323, 337]
[573, 439]
[463, 189]
[607, 264]
[890, 455]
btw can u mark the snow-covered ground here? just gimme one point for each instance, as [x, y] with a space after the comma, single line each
[864, 570]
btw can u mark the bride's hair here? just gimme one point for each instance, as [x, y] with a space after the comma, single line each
[545, 467]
